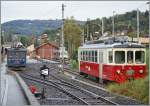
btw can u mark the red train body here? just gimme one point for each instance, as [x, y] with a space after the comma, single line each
[114, 62]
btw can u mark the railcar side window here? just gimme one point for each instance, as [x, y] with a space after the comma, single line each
[130, 57]
[80, 55]
[110, 57]
[92, 56]
[89, 55]
[139, 57]
[119, 57]
[95, 56]
[84, 55]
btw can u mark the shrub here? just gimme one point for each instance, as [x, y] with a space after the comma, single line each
[73, 64]
[137, 89]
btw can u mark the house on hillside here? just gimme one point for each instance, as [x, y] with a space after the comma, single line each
[47, 51]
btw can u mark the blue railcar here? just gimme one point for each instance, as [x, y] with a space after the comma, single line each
[16, 57]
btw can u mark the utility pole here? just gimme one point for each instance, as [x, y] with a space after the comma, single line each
[62, 37]
[149, 26]
[102, 27]
[83, 36]
[138, 24]
[113, 29]
[87, 31]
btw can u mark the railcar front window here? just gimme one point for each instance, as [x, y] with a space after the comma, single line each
[119, 57]
[130, 57]
[139, 57]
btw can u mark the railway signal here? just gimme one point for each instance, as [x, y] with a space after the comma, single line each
[44, 73]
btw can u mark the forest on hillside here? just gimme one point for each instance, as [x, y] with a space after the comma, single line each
[123, 23]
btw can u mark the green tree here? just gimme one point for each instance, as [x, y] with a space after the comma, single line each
[51, 34]
[25, 40]
[72, 35]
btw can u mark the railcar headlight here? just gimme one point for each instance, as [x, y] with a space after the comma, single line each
[141, 71]
[118, 71]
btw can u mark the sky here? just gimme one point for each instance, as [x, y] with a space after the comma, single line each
[81, 10]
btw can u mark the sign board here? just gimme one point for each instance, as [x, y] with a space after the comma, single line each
[44, 72]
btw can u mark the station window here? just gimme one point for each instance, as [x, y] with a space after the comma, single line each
[110, 56]
[139, 57]
[130, 57]
[120, 57]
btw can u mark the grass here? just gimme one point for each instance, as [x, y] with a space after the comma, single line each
[137, 89]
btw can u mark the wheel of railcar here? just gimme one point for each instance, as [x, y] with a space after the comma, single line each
[97, 79]
[85, 75]
[81, 73]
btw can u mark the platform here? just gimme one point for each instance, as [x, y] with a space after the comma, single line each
[13, 91]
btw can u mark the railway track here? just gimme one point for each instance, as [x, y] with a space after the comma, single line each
[76, 92]
[117, 99]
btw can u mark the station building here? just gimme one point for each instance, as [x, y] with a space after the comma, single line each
[47, 51]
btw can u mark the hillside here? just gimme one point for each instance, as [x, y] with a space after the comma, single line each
[29, 27]
[123, 22]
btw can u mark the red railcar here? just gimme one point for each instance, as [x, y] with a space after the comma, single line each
[117, 61]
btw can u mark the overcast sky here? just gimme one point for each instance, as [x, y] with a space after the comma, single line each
[81, 10]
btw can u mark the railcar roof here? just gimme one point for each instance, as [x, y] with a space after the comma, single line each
[114, 45]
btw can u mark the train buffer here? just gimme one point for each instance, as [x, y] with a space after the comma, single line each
[12, 92]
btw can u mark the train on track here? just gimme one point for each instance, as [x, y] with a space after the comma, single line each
[113, 59]
[16, 57]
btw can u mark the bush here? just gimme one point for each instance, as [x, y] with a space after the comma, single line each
[137, 89]
[73, 64]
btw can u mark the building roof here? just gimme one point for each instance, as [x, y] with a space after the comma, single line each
[47, 44]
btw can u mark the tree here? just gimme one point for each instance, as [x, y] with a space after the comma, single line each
[25, 40]
[72, 35]
[51, 34]
[2, 40]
